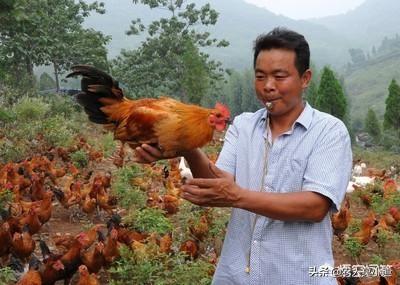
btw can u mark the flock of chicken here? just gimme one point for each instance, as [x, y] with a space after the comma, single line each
[36, 183]
[371, 225]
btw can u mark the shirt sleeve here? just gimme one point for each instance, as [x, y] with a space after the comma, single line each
[329, 165]
[227, 157]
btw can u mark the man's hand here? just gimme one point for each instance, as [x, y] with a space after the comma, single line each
[147, 154]
[221, 191]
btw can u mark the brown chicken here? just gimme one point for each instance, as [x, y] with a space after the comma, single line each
[85, 278]
[111, 247]
[5, 239]
[364, 235]
[200, 228]
[93, 258]
[171, 125]
[32, 220]
[395, 212]
[22, 243]
[340, 220]
[191, 248]
[32, 277]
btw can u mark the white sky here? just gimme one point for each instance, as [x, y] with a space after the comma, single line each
[304, 9]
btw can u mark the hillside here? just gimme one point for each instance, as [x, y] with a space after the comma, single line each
[366, 25]
[239, 23]
[368, 86]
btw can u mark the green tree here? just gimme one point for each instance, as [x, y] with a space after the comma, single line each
[392, 112]
[372, 125]
[170, 57]
[331, 97]
[46, 82]
[311, 94]
[46, 32]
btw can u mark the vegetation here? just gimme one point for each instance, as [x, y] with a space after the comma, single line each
[170, 60]
[331, 97]
[392, 114]
[372, 125]
[48, 32]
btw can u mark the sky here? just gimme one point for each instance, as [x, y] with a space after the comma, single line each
[305, 9]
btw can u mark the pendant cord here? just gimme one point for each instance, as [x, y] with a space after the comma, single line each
[262, 188]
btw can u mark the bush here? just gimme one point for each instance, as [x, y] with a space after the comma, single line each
[46, 82]
[7, 275]
[152, 220]
[391, 141]
[155, 268]
[12, 151]
[128, 196]
[353, 247]
[80, 158]
[56, 131]
[30, 108]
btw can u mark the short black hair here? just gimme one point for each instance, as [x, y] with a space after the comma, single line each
[282, 38]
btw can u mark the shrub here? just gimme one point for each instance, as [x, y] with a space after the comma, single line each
[30, 108]
[80, 158]
[152, 220]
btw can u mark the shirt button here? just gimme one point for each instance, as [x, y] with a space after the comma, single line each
[255, 242]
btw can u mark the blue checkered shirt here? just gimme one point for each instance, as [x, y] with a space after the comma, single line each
[315, 155]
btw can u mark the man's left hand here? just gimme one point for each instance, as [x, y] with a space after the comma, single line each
[221, 191]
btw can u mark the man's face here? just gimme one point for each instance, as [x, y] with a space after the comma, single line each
[278, 81]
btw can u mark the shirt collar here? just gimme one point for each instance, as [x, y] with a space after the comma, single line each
[304, 119]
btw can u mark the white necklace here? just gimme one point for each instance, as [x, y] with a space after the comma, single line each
[264, 173]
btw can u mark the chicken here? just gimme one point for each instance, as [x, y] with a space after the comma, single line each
[170, 204]
[65, 240]
[166, 243]
[340, 220]
[374, 172]
[32, 277]
[364, 235]
[199, 229]
[32, 220]
[111, 247]
[395, 212]
[85, 278]
[185, 171]
[23, 244]
[93, 258]
[169, 124]
[72, 258]
[5, 239]
[191, 248]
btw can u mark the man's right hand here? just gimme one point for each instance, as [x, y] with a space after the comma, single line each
[147, 154]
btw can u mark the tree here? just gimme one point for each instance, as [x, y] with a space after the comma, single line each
[46, 82]
[392, 112]
[372, 125]
[331, 97]
[170, 57]
[311, 94]
[45, 32]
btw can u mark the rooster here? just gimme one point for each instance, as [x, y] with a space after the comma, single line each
[170, 125]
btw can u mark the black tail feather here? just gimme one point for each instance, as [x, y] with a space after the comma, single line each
[95, 84]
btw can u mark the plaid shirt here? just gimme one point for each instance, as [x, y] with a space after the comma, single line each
[315, 155]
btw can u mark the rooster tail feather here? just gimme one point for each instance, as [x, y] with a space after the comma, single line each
[95, 85]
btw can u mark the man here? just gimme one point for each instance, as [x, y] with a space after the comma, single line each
[283, 170]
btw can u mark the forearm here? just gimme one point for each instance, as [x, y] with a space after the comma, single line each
[198, 163]
[294, 206]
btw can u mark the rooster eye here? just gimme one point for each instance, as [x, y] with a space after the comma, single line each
[218, 115]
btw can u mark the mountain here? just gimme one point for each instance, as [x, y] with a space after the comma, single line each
[330, 39]
[239, 23]
[366, 25]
